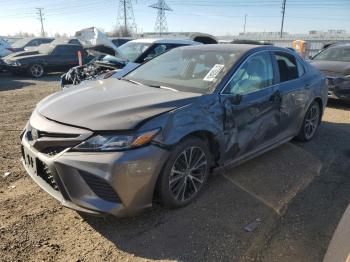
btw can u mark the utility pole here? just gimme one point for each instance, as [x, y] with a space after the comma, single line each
[126, 19]
[161, 25]
[283, 12]
[41, 19]
[245, 22]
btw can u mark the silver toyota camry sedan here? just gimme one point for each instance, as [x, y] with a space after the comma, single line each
[116, 145]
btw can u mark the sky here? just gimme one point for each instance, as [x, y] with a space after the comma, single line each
[220, 17]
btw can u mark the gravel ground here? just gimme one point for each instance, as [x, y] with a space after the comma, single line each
[297, 192]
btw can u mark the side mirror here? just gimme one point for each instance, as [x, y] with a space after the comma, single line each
[236, 99]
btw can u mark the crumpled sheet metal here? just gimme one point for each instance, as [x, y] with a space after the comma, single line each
[234, 132]
[94, 37]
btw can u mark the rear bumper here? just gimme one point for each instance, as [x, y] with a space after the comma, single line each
[117, 183]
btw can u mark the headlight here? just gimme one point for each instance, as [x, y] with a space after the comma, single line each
[110, 142]
[13, 63]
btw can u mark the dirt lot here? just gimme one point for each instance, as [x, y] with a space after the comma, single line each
[293, 195]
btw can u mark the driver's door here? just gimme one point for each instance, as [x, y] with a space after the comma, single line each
[252, 102]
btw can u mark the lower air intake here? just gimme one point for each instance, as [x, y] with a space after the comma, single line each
[100, 187]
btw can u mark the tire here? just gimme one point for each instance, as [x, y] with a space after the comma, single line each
[36, 70]
[180, 181]
[311, 123]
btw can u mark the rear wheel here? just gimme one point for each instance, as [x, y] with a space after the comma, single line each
[311, 123]
[36, 70]
[185, 173]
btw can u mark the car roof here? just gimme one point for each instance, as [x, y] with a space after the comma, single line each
[63, 44]
[165, 41]
[243, 48]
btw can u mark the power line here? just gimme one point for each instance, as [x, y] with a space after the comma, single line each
[41, 19]
[161, 25]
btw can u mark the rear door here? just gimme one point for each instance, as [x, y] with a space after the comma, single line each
[294, 91]
[251, 100]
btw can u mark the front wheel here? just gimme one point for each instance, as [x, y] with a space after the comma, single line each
[36, 70]
[311, 123]
[185, 173]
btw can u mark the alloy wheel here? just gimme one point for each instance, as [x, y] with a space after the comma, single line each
[188, 173]
[311, 121]
[37, 70]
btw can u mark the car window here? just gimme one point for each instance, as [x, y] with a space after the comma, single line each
[74, 42]
[156, 50]
[45, 41]
[132, 50]
[337, 53]
[256, 73]
[34, 43]
[66, 50]
[287, 66]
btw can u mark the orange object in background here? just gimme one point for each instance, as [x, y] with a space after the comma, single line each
[300, 47]
[80, 58]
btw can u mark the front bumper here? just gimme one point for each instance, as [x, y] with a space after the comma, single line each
[117, 183]
[338, 88]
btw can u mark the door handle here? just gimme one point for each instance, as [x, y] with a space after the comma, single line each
[276, 97]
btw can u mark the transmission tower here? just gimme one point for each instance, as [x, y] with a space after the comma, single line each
[126, 19]
[41, 19]
[161, 25]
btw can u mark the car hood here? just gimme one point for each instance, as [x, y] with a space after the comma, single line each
[111, 104]
[25, 54]
[332, 68]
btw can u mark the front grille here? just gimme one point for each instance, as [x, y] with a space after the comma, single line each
[100, 187]
[55, 135]
[45, 173]
[53, 150]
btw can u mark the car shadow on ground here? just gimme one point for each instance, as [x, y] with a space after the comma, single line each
[12, 82]
[212, 228]
[339, 104]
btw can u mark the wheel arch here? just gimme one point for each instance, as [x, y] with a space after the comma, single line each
[204, 135]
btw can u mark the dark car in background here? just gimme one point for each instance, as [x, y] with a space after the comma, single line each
[158, 132]
[334, 63]
[21, 44]
[46, 58]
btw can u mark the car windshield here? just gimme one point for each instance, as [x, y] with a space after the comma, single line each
[21, 43]
[334, 54]
[132, 50]
[186, 69]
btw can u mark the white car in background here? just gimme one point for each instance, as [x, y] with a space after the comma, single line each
[5, 48]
